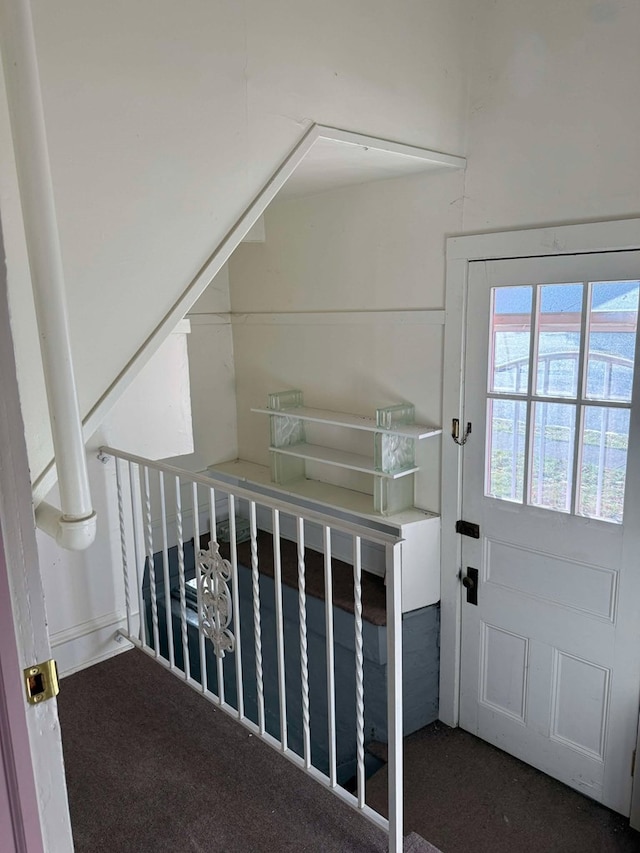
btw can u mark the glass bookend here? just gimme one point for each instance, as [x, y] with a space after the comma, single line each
[391, 496]
[390, 416]
[393, 453]
[285, 400]
[286, 469]
[285, 431]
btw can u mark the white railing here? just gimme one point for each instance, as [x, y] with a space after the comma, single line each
[204, 618]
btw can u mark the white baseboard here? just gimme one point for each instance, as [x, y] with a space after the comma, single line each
[89, 643]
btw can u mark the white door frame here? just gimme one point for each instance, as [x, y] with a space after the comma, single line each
[591, 237]
[48, 802]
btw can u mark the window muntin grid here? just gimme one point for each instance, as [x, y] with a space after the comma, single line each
[557, 435]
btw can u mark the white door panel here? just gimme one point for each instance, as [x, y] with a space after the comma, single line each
[550, 656]
[577, 585]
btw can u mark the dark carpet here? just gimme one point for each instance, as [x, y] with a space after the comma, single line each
[153, 767]
[465, 796]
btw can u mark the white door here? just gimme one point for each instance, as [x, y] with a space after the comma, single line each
[551, 474]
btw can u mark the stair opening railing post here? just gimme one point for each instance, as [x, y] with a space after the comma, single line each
[394, 694]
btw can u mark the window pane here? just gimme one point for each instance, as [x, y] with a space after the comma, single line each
[559, 325]
[612, 340]
[510, 339]
[552, 445]
[605, 439]
[506, 429]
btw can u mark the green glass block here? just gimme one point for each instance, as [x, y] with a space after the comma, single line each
[285, 431]
[390, 416]
[285, 400]
[393, 453]
[286, 469]
[392, 496]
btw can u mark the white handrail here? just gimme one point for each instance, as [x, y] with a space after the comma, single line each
[74, 525]
[348, 522]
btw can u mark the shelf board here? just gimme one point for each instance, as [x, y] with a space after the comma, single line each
[339, 458]
[343, 419]
[345, 502]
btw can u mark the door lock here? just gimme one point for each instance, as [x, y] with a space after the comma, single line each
[470, 583]
[455, 432]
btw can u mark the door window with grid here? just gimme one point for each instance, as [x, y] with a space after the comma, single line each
[561, 360]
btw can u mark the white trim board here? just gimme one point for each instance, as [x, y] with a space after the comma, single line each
[90, 642]
[238, 231]
[419, 317]
[415, 317]
[607, 236]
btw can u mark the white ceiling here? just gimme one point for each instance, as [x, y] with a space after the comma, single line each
[331, 164]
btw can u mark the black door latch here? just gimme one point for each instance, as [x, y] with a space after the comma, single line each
[467, 528]
[470, 583]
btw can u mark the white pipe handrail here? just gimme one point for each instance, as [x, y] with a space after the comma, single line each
[74, 525]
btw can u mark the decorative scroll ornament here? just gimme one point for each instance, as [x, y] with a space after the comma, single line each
[215, 599]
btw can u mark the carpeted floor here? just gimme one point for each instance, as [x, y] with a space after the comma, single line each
[465, 796]
[153, 767]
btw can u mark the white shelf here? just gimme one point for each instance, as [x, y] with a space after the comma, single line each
[418, 529]
[341, 458]
[343, 419]
[348, 501]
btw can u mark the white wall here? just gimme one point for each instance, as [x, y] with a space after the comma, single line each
[165, 118]
[212, 378]
[554, 124]
[153, 418]
[377, 248]
[83, 590]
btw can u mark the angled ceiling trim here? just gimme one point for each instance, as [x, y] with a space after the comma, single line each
[221, 255]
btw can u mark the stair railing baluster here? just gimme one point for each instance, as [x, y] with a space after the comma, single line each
[138, 550]
[257, 622]
[331, 676]
[184, 632]
[277, 581]
[359, 660]
[235, 593]
[165, 572]
[304, 655]
[123, 547]
[146, 491]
